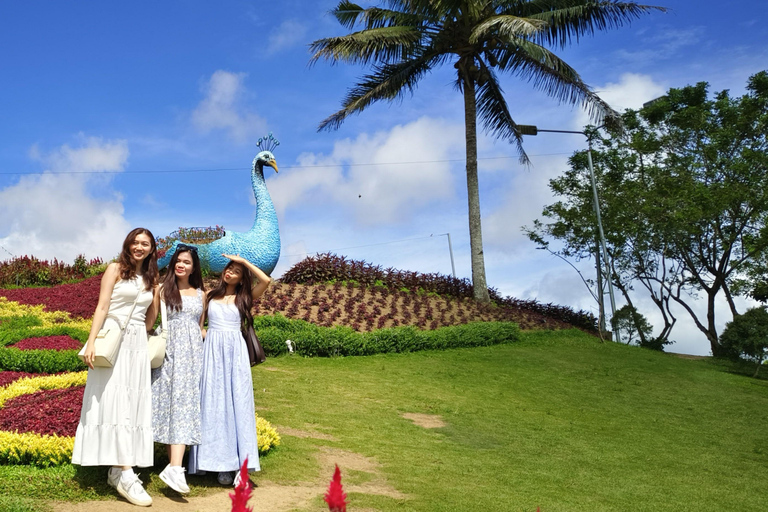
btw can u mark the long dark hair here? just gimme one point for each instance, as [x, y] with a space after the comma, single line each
[171, 294]
[149, 272]
[243, 298]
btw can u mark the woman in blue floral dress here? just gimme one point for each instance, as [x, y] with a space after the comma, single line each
[176, 384]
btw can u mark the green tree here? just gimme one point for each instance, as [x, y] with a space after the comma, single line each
[480, 38]
[747, 335]
[634, 326]
[684, 196]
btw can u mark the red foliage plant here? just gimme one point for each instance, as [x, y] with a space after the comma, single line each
[62, 342]
[242, 491]
[9, 377]
[51, 411]
[78, 299]
[335, 496]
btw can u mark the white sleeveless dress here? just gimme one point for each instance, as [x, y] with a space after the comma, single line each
[115, 426]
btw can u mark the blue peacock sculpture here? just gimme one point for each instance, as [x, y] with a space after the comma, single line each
[261, 244]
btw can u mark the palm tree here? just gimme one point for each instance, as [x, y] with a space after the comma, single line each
[480, 38]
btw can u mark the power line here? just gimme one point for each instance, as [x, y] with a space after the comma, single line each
[229, 169]
[360, 246]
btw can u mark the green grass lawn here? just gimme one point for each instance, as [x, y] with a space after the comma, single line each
[557, 421]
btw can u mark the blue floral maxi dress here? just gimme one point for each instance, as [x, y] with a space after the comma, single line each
[226, 389]
[176, 384]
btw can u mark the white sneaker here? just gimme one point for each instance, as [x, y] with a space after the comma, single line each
[174, 477]
[113, 476]
[226, 478]
[131, 489]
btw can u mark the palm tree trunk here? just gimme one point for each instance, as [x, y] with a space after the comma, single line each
[479, 285]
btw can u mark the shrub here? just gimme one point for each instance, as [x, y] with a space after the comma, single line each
[40, 361]
[202, 235]
[77, 299]
[330, 268]
[9, 336]
[747, 336]
[314, 341]
[61, 342]
[26, 271]
[48, 411]
[10, 377]
[629, 324]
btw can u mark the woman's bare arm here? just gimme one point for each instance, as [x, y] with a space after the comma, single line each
[108, 280]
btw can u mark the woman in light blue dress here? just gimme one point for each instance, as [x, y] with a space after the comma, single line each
[176, 384]
[227, 411]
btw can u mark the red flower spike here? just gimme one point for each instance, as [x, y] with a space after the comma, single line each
[335, 497]
[242, 492]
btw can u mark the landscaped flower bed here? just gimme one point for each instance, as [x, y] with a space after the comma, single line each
[78, 299]
[9, 377]
[39, 416]
[51, 411]
[61, 342]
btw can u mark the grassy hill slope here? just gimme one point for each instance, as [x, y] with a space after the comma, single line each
[558, 421]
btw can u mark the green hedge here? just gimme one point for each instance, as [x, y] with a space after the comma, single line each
[40, 361]
[314, 341]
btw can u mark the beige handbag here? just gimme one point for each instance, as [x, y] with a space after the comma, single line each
[156, 342]
[108, 339]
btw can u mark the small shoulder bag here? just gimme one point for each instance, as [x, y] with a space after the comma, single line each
[107, 342]
[156, 343]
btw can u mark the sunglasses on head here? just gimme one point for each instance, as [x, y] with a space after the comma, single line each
[185, 247]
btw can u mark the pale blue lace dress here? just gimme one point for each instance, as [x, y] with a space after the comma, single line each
[228, 414]
[176, 384]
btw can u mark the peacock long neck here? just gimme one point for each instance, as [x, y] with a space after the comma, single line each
[265, 222]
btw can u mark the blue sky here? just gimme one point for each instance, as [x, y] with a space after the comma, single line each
[131, 91]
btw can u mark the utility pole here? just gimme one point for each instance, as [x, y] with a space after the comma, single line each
[534, 130]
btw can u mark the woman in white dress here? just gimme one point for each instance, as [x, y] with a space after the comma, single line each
[115, 426]
[226, 388]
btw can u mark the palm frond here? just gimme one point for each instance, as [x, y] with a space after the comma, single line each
[346, 13]
[387, 82]
[494, 113]
[384, 44]
[506, 26]
[548, 73]
[568, 20]
[350, 14]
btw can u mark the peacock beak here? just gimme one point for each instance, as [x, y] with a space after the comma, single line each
[272, 164]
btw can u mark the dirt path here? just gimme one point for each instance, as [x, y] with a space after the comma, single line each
[267, 497]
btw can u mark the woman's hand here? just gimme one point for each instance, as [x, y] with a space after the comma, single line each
[90, 354]
[234, 257]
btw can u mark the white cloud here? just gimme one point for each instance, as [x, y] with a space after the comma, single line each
[61, 215]
[290, 33]
[379, 178]
[525, 196]
[631, 91]
[223, 108]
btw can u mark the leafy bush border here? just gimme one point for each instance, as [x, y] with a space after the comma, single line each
[51, 450]
[311, 340]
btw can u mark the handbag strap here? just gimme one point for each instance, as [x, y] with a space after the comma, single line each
[163, 315]
[130, 314]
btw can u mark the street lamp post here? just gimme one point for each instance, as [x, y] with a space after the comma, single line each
[533, 130]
